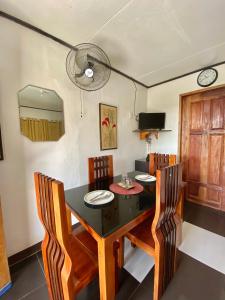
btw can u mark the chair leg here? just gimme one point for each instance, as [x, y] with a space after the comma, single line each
[69, 291]
[158, 276]
[133, 245]
[165, 262]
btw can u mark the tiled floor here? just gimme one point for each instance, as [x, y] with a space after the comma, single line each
[205, 217]
[205, 246]
[193, 279]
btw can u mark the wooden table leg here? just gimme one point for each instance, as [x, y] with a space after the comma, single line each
[106, 263]
[121, 253]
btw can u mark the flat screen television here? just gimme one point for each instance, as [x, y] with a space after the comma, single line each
[151, 121]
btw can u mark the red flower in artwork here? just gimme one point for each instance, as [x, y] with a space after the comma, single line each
[107, 120]
[110, 128]
[104, 123]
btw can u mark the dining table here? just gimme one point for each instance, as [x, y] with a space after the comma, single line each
[109, 222]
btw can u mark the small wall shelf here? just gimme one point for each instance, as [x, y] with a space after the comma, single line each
[144, 134]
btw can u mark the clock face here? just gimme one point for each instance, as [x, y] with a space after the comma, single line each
[207, 77]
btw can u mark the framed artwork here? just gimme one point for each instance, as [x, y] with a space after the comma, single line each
[108, 126]
[1, 148]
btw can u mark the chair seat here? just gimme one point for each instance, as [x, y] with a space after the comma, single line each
[141, 236]
[86, 240]
[84, 256]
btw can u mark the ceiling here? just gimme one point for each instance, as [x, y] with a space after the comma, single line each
[149, 40]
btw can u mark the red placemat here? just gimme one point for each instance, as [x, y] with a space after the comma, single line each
[115, 188]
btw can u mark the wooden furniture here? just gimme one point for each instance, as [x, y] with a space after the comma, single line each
[158, 161]
[110, 223]
[202, 148]
[5, 280]
[100, 168]
[157, 235]
[70, 258]
[146, 133]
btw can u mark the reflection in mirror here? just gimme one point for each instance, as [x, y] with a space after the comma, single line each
[41, 114]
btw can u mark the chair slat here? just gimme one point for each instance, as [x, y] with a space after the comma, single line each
[53, 256]
[100, 168]
[164, 225]
[158, 161]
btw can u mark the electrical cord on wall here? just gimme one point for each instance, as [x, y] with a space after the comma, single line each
[81, 104]
[135, 100]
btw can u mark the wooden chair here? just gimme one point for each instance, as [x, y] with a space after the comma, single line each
[100, 168]
[70, 257]
[157, 235]
[158, 161]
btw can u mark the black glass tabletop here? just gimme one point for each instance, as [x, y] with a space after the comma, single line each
[121, 210]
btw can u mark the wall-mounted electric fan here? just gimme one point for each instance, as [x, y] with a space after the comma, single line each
[88, 67]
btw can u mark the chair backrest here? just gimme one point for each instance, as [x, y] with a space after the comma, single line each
[100, 168]
[55, 246]
[158, 161]
[165, 223]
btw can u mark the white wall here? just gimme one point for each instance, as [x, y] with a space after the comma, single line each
[165, 98]
[29, 58]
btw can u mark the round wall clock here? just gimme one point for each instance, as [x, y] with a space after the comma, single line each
[207, 77]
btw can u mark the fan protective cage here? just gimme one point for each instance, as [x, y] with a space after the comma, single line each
[85, 56]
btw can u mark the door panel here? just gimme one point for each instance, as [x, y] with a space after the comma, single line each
[214, 159]
[213, 196]
[206, 118]
[194, 157]
[204, 159]
[217, 114]
[196, 115]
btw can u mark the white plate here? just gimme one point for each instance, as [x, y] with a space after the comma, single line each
[145, 177]
[99, 197]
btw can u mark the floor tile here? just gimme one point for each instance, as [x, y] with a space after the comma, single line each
[127, 285]
[195, 281]
[145, 290]
[205, 217]
[26, 276]
[192, 281]
[204, 245]
[136, 261]
[90, 292]
[40, 293]
[40, 260]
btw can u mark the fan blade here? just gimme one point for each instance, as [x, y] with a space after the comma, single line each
[79, 74]
[84, 80]
[98, 73]
[81, 58]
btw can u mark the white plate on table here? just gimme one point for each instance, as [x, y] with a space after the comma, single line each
[99, 197]
[145, 177]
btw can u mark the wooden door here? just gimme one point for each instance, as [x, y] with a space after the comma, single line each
[203, 147]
